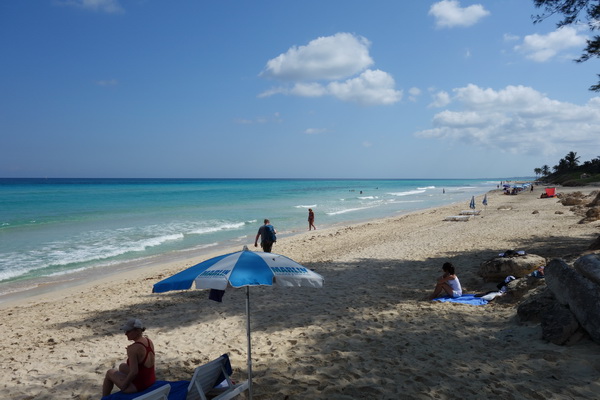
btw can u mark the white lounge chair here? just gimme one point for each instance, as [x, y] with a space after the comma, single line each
[161, 393]
[470, 212]
[457, 218]
[206, 378]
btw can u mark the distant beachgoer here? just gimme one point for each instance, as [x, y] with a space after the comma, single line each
[137, 373]
[267, 236]
[311, 219]
[443, 191]
[447, 283]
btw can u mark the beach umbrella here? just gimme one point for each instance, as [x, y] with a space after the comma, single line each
[472, 204]
[242, 269]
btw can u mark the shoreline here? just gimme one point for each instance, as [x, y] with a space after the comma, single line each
[366, 333]
[15, 292]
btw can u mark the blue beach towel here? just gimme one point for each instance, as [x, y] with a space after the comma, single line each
[464, 299]
[178, 391]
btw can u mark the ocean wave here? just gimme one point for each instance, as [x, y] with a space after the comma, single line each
[94, 246]
[408, 193]
[301, 206]
[368, 197]
[216, 228]
[347, 210]
[426, 187]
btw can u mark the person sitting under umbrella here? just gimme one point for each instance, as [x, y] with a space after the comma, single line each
[447, 283]
[137, 373]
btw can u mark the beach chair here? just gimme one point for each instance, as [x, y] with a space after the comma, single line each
[457, 218]
[210, 377]
[162, 393]
[470, 212]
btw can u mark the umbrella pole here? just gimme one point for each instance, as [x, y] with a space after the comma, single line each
[249, 343]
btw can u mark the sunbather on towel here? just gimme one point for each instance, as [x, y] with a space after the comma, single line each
[138, 373]
[447, 283]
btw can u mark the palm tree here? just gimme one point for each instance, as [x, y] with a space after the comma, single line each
[538, 172]
[545, 170]
[571, 160]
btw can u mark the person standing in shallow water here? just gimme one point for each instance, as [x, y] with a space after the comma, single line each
[311, 219]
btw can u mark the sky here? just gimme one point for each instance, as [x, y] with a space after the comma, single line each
[291, 89]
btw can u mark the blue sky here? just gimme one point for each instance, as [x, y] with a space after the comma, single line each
[282, 89]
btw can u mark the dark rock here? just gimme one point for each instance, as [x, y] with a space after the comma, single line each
[573, 199]
[589, 266]
[519, 288]
[591, 215]
[578, 293]
[595, 244]
[498, 268]
[540, 301]
[558, 324]
[596, 201]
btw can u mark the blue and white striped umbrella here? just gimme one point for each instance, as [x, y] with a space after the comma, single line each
[239, 269]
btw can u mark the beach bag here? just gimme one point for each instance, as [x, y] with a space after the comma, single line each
[271, 234]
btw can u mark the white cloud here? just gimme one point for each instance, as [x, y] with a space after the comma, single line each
[332, 66]
[370, 88]
[449, 13]
[308, 90]
[366, 143]
[440, 99]
[314, 131]
[510, 37]
[414, 93]
[107, 6]
[333, 57]
[541, 48]
[517, 119]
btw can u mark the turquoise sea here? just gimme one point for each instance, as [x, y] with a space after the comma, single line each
[53, 229]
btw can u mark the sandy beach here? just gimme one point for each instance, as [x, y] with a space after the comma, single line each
[366, 334]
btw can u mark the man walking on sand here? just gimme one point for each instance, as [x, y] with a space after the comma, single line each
[267, 236]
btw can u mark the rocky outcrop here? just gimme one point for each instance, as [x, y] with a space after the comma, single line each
[573, 199]
[587, 207]
[536, 305]
[596, 201]
[591, 215]
[577, 292]
[519, 288]
[498, 268]
[595, 244]
[558, 324]
[589, 266]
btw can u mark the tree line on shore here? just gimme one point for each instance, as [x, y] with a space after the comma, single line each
[569, 171]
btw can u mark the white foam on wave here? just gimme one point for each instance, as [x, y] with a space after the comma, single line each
[216, 228]
[94, 246]
[301, 206]
[407, 193]
[426, 187]
[368, 197]
[347, 210]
